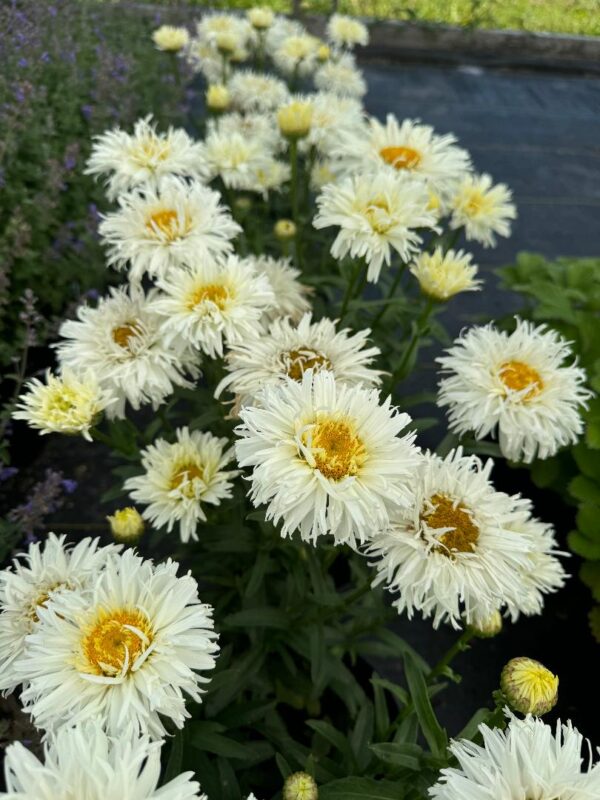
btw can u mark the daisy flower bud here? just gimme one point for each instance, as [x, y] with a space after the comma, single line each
[347, 32]
[260, 18]
[300, 786]
[170, 39]
[529, 687]
[126, 525]
[217, 97]
[487, 627]
[323, 53]
[284, 229]
[295, 119]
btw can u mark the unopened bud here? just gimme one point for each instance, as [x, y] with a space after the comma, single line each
[218, 97]
[529, 687]
[486, 628]
[261, 18]
[284, 229]
[300, 786]
[127, 525]
[295, 119]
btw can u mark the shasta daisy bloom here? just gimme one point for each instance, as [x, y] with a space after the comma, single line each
[124, 655]
[407, 147]
[257, 91]
[46, 570]
[442, 275]
[214, 27]
[142, 158]
[234, 157]
[527, 760]
[377, 214]
[330, 115]
[203, 57]
[324, 171]
[291, 296]
[296, 54]
[65, 403]
[483, 209]
[213, 303]
[170, 39]
[157, 229]
[260, 17]
[217, 97]
[289, 350]
[258, 127]
[519, 384]
[341, 77]
[347, 32]
[461, 550]
[84, 762]
[179, 477]
[326, 458]
[122, 343]
[269, 177]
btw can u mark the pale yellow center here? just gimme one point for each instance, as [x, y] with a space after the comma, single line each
[447, 514]
[517, 375]
[298, 361]
[336, 448]
[214, 293]
[43, 598]
[378, 214]
[150, 150]
[123, 334]
[167, 222]
[185, 474]
[476, 202]
[401, 157]
[116, 639]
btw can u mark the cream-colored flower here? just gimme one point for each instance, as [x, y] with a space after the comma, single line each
[288, 350]
[347, 32]
[144, 157]
[408, 148]
[260, 17]
[84, 762]
[122, 343]
[257, 91]
[218, 97]
[295, 118]
[234, 157]
[170, 39]
[213, 303]
[460, 551]
[269, 177]
[156, 230]
[69, 403]
[203, 57]
[126, 525]
[377, 214]
[227, 31]
[180, 477]
[37, 576]
[441, 274]
[291, 296]
[326, 458]
[484, 210]
[296, 54]
[517, 384]
[341, 77]
[259, 127]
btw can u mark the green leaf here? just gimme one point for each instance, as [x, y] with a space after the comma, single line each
[471, 728]
[587, 521]
[263, 617]
[333, 736]
[362, 789]
[257, 574]
[173, 768]
[204, 737]
[590, 575]
[400, 754]
[585, 490]
[582, 546]
[432, 730]
[382, 717]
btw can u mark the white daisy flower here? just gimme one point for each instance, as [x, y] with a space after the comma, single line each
[341, 77]
[234, 157]
[260, 17]
[346, 31]
[65, 403]
[296, 54]
[528, 759]
[441, 274]
[170, 39]
[407, 147]
[46, 570]
[84, 762]
[326, 458]
[142, 158]
[213, 304]
[291, 296]
[257, 91]
[377, 214]
[461, 550]
[282, 29]
[157, 229]
[124, 654]
[483, 209]
[324, 171]
[517, 384]
[214, 27]
[289, 350]
[269, 177]
[258, 127]
[203, 57]
[330, 115]
[179, 477]
[122, 343]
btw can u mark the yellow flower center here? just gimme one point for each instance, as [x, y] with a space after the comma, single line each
[185, 474]
[378, 214]
[63, 401]
[298, 361]
[448, 514]
[115, 641]
[150, 150]
[43, 598]
[475, 202]
[214, 293]
[401, 157]
[167, 222]
[123, 334]
[336, 449]
[517, 375]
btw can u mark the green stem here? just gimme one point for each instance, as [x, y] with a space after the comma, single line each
[294, 189]
[452, 239]
[461, 644]
[389, 296]
[420, 329]
[350, 289]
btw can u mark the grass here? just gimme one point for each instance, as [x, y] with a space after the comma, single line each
[558, 16]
